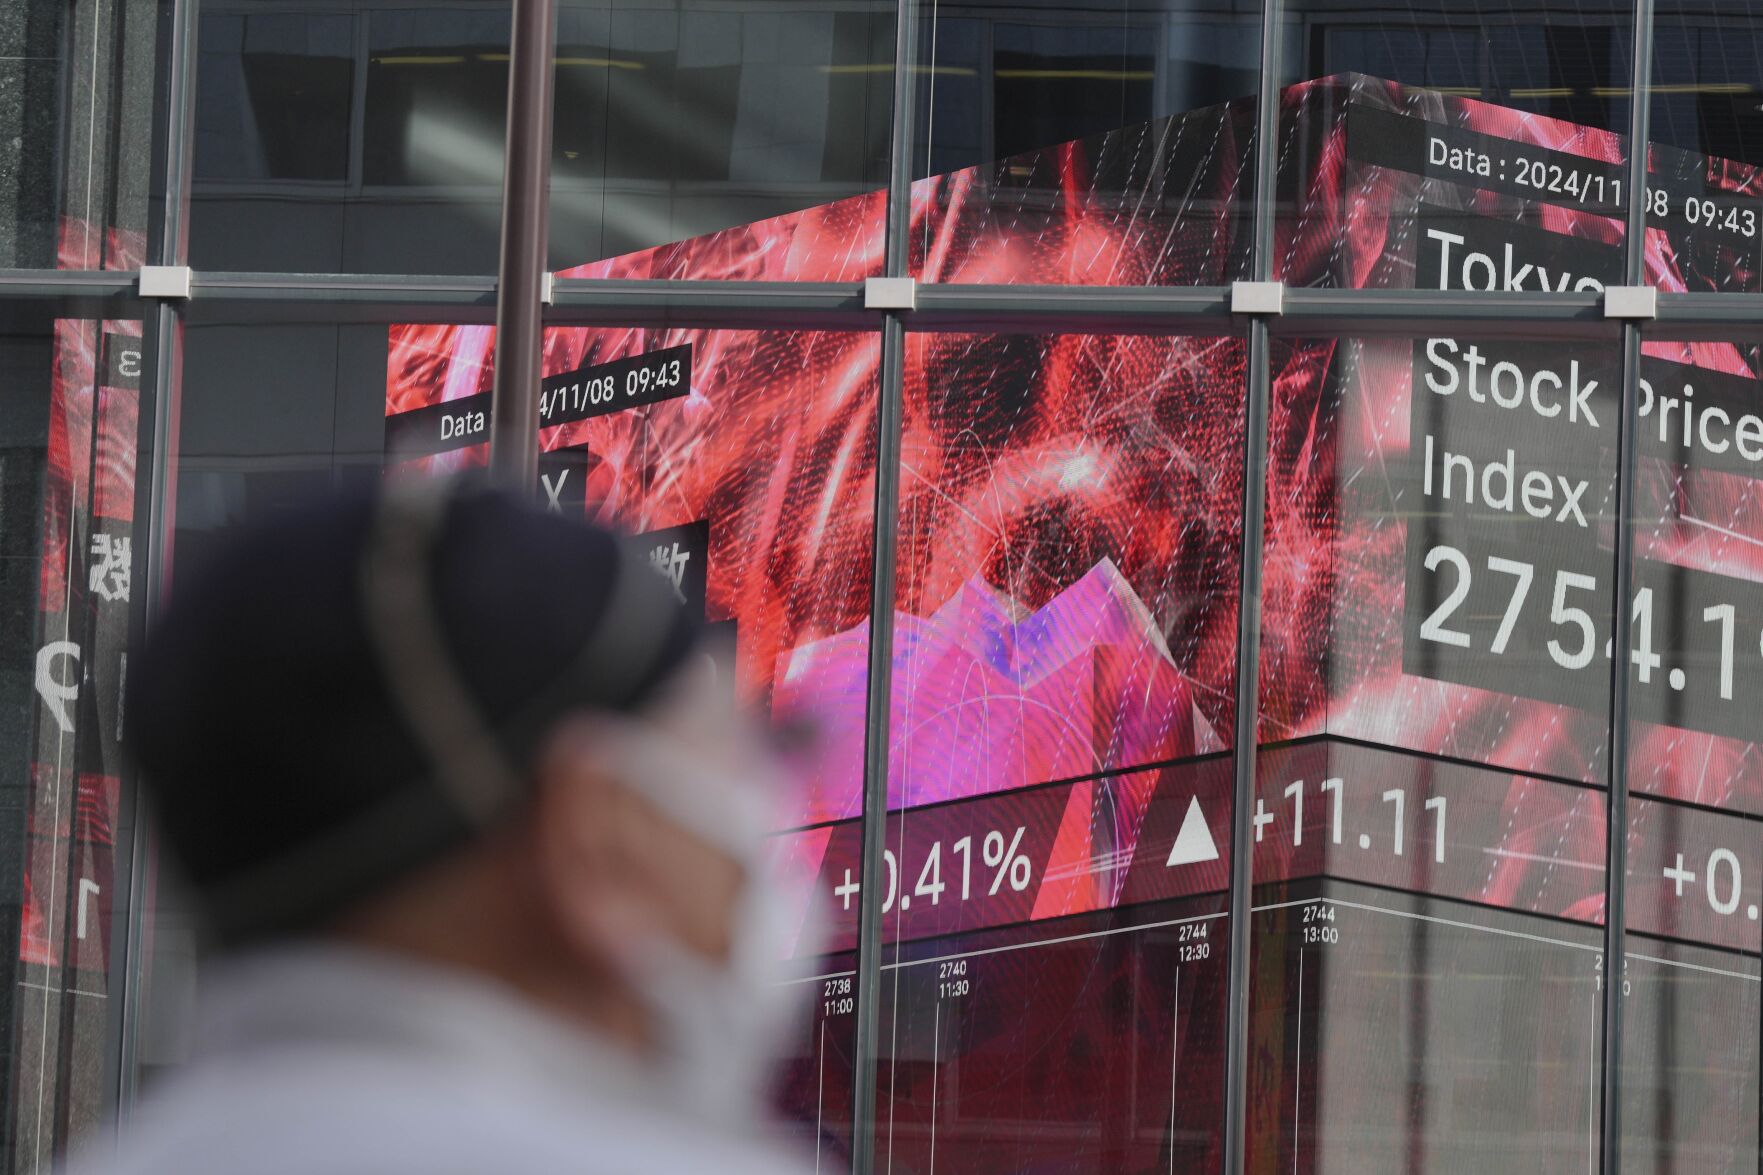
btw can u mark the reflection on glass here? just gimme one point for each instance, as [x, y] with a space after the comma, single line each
[277, 92]
[1438, 569]
[366, 138]
[1055, 991]
[1468, 127]
[1059, 772]
[673, 122]
[744, 462]
[1429, 822]
[1396, 1032]
[1696, 666]
[272, 413]
[436, 85]
[1084, 143]
[1707, 74]
[1070, 532]
[1035, 948]
[1094, 1044]
[1705, 188]
[67, 560]
[1694, 888]
[77, 104]
[1004, 78]
[1689, 1072]
[1565, 63]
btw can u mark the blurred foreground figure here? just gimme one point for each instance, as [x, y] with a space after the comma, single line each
[479, 832]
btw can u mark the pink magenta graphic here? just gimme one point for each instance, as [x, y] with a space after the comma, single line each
[1069, 537]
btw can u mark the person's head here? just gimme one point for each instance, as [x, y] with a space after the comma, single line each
[442, 722]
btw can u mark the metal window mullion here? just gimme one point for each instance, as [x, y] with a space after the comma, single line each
[1256, 404]
[878, 698]
[159, 416]
[1616, 806]
[518, 362]
[1610, 1024]
[890, 400]
[361, 50]
[377, 298]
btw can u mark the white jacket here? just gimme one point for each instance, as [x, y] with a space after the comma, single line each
[328, 1061]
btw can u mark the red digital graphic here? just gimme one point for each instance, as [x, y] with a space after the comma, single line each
[1069, 504]
[1436, 645]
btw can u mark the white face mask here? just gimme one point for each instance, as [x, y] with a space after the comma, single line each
[719, 1026]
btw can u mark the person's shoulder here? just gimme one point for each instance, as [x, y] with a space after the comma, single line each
[323, 1121]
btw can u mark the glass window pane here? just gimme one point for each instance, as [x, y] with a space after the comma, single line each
[1706, 70]
[1429, 825]
[1690, 1041]
[745, 459]
[357, 138]
[1060, 776]
[1436, 552]
[1093, 1043]
[77, 102]
[1689, 1096]
[675, 121]
[1694, 885]
[1705, 195]
[286, 79]
[1085, 143]
[68, 542]
[1393, 1031]
[747, 464]
[1453, 144]
[747, 453]
[1069, 558]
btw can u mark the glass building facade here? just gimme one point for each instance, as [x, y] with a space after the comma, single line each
[1281, 596]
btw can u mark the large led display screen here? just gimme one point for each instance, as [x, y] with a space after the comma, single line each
[1436, 637]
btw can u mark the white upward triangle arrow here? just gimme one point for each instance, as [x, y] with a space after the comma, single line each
[1194, 842]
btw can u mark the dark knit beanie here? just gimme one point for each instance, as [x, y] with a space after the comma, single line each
[343, 694]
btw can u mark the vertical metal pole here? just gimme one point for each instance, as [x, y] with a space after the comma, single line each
[875, 749]
[1622, 595]
[1236, 1058]
[526, 174]
[160, 413]
[889, 411]
[1255, 418]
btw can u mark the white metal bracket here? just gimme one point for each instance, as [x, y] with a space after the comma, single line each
[165, 281]
[547, 288]
[1631, 302]
[1257, 297]
[890, 293]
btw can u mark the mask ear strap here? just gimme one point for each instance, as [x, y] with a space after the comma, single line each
[404, 628]
[404, 625]
[470, 763]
